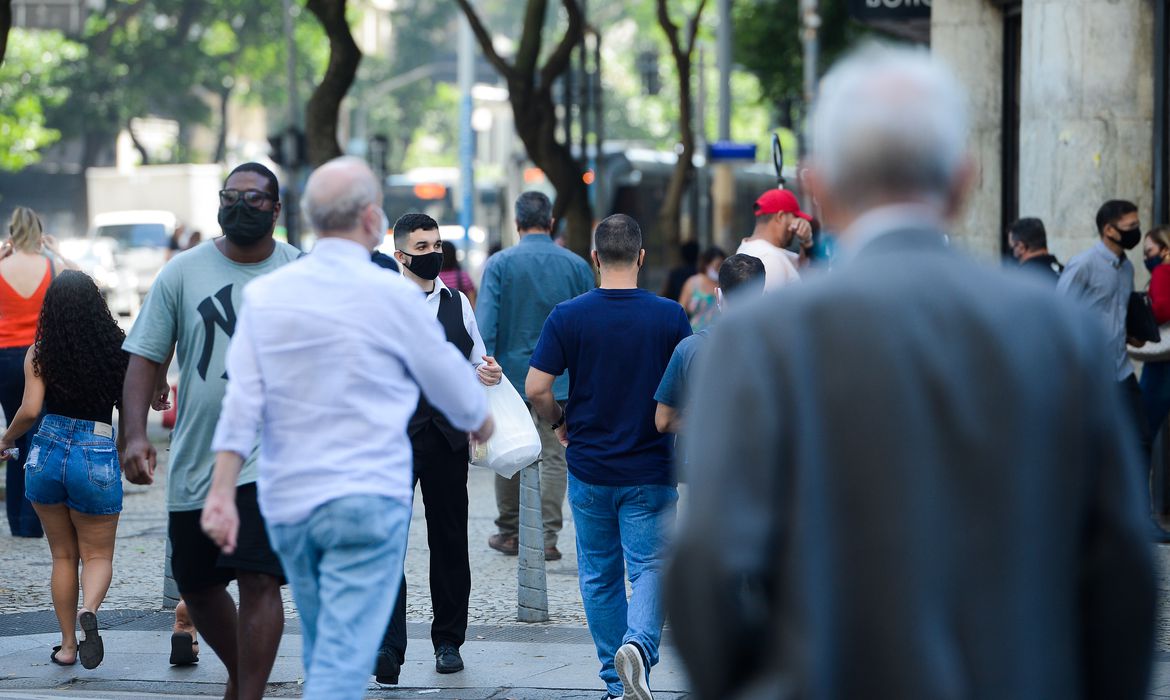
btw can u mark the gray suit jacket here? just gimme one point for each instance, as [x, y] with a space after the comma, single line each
[914, 479]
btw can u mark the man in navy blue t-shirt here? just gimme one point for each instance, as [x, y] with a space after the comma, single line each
[615, 342]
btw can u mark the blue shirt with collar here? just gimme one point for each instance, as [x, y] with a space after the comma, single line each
[1102, 281]
[520, 287]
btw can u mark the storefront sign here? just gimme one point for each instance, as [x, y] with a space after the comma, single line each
[886, 10]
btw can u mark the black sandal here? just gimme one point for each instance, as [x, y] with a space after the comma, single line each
[90, 650]
[183, 649]
[54, 659]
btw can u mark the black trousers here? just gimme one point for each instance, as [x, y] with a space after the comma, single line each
[1132, 393]
[442, 471]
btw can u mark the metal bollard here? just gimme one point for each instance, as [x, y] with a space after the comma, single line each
[532, 588]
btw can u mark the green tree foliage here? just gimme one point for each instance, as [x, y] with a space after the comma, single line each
[27, 90]
[767, 43]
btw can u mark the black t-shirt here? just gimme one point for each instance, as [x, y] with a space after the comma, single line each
[1045, 265]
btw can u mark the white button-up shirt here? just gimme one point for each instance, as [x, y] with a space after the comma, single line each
[435, 296]
[327, 360]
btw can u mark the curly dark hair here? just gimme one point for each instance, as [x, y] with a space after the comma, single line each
[79, 344]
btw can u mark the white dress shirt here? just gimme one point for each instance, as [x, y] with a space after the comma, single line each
[327, 359]
[779, 269]
[435, 296]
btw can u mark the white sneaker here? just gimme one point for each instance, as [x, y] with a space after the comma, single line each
[631, 669]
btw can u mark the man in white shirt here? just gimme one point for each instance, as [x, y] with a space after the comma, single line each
[440, 460]
[778, 220]
[327, 362]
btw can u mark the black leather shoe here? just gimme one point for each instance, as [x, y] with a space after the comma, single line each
[387, 667]
[447, 659]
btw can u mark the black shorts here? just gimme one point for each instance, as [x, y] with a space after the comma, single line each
[197, 564]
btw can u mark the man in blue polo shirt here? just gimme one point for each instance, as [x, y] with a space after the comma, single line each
[615, 342]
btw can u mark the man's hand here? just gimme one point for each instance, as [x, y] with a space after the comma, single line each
[162, 398]
[221, 520]
[562, 434]
[484, 432]
[138, 460]
[489, 372]
[803, 231]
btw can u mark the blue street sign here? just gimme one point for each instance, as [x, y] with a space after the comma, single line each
[730, 150]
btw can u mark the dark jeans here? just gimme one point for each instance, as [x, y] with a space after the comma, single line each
[22, 519]
[443, 475]
[1155, 386]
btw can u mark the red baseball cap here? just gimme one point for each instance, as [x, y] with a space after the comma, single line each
[776, 201]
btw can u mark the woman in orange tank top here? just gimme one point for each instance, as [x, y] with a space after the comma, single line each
[25, 273]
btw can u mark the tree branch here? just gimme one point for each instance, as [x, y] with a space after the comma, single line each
[5, 25]
[693, 27]
[560, 58]
[485, 40]
[531, 39]
[100, 43]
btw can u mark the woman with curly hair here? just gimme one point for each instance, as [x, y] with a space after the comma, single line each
[27, 266]
[74, 373]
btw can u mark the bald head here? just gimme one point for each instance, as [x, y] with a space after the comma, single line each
[340, 195]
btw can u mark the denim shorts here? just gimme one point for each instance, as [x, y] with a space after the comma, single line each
[74, 462]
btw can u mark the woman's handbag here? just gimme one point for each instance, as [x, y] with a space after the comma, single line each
[515, 443]
[1140, 323]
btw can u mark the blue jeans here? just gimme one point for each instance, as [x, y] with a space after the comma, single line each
[616, 525]
[344, 564]
[22, 519]
[71, 463]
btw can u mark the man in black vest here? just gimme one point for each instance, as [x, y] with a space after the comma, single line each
[440, 461]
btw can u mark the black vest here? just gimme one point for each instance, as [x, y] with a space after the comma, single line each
[451, 319]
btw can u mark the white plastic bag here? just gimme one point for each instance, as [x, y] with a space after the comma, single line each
[515, 443]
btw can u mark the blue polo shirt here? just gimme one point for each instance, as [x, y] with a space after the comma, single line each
[615, 345]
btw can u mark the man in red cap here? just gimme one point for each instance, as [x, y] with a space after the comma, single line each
[778, 220]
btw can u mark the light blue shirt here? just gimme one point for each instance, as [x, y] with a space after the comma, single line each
[1102, 281]
[520, 287]
[328, 358]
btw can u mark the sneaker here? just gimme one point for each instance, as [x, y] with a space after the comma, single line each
[505, 544]
[447, 659]
[633, 671]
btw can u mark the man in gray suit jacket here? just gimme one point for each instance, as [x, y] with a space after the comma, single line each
[924, 486]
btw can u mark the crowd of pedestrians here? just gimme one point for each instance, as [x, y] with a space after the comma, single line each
[912, 476]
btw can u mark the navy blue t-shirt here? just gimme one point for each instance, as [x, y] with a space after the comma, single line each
[616, 344]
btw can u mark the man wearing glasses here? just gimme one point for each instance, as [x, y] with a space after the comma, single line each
[191, 311]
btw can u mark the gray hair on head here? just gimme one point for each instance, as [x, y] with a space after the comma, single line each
[890, 123]
[338, 192]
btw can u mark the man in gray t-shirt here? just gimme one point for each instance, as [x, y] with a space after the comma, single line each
[191, 312]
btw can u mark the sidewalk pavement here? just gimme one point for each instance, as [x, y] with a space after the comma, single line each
[505, 658]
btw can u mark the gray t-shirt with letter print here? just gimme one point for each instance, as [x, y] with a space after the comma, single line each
[193, 305]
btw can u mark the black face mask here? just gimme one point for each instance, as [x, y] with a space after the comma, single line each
[425, 266]
[244, 224]
[1129, 239]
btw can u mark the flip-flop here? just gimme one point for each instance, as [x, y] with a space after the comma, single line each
[90, 649]
[183, 649]
[54, 659]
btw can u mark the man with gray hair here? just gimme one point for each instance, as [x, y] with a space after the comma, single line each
[925, 487]
[520, 287]
[327, 362]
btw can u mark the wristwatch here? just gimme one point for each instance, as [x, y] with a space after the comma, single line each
[560, 422]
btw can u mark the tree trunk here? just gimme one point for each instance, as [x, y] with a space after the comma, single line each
[669, 215]
[221, 139]
[321, 114]
[5, 25]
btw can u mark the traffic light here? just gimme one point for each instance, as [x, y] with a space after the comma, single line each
[287, 149]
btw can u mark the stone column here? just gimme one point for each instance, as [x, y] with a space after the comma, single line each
[532, 591]
[968, 36]
[1086, 114]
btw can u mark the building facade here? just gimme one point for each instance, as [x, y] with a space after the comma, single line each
[1069, 109]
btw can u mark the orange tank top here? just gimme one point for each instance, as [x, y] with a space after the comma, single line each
[18, 314]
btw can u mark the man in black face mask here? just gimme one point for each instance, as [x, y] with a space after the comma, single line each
[440, 460]
[191, 313]
[1102, 279]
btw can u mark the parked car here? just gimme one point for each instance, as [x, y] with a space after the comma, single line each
[124, 252]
